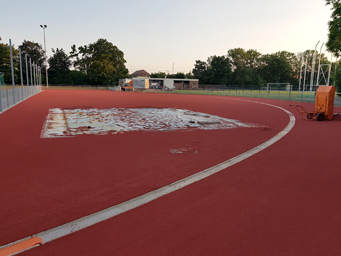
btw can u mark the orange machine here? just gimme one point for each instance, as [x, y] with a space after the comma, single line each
[324, 101]
[324, 105]
[127, 87]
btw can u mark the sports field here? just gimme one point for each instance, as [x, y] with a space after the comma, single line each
[268, 187]
[300, 96]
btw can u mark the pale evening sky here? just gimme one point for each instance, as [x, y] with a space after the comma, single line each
[154, 34]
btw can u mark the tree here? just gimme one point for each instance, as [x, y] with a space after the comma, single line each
[245, 66]
[219, 70]
[59, 67]
[279, 67]
[334, 26]
[200, 71]
[102, 62]
[158, 75]
[178, 75]
[76, 77]
[5, 62]
[336, 77]
[189, 75]
[34, 52]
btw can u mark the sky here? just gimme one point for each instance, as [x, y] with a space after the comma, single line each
[169, 36]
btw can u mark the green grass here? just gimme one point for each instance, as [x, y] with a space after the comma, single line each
[281, 95]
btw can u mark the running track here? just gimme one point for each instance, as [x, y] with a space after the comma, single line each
[284, 200]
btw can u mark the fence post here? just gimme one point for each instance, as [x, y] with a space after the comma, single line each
[21, 78]
[27, 81]
[31, 72]
[7, 98]
[34, 74]
[12, 68]
[0, 99]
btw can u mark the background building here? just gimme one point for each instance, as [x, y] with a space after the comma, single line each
[173, 83]
[159, 83]
[140, 74]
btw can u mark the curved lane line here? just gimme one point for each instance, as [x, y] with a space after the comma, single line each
[87, 221]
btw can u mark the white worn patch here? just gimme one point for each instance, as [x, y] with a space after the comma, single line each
[183, 151]
[71, 122]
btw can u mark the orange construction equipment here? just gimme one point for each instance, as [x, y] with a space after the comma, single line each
[324, 105]
[325, 101]
[128, 86]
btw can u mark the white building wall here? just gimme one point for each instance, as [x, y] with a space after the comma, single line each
[169, 83]
[140, 83]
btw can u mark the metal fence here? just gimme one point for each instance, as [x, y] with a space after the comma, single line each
[75, 87]
[301, 96]
[13, 96]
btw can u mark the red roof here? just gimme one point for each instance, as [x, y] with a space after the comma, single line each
[140, 73]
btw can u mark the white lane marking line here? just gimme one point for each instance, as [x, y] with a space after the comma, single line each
[87, 221]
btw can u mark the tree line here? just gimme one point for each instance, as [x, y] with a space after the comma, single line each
[250, 68]
[99, 63]
[102, 63]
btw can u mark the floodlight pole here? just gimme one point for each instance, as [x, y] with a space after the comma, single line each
[313, 69]
[47, 79]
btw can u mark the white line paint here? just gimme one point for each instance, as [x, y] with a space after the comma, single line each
[87, 221]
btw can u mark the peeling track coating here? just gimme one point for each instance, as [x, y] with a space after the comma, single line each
[72, 122]
[87, 221]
